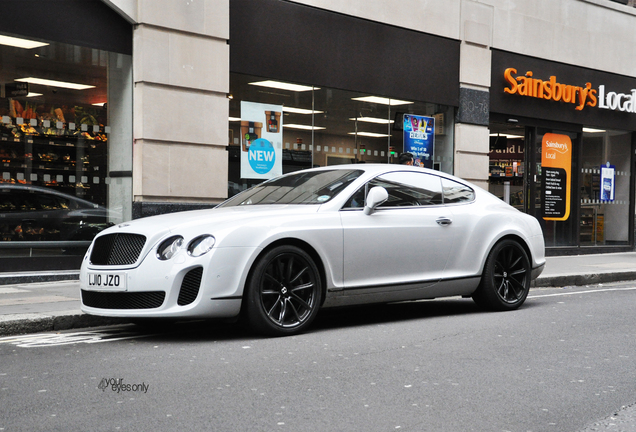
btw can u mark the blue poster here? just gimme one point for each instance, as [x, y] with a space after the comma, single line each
[608, 180]
[419, 139]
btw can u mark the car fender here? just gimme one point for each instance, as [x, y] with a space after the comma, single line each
[476, 238]
[322, 234]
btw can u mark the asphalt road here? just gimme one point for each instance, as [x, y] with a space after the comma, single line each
[563, 362]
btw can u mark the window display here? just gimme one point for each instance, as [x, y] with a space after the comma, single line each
[54, 145]
[326, 126]
[605, 177]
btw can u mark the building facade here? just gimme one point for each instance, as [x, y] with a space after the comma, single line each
[151, 106]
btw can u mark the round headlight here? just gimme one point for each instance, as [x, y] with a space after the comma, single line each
[169, 247]
[201, 245]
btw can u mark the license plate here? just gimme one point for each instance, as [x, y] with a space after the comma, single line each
[109, 281]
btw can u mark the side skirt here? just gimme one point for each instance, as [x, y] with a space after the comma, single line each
[416, 291]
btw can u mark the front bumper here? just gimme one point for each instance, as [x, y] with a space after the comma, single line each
[210, 286]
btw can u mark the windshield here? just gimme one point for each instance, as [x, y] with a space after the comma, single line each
[314, 187]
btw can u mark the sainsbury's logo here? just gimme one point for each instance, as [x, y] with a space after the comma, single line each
[560, 147]
[579, 96]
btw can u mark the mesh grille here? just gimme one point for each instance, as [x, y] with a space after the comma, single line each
[123, 300]
[117, 249]
[190, 286]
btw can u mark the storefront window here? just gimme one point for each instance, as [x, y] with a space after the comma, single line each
[65, 128]
[605, 180]
[325, 126]
[507, 163]
[577, 184]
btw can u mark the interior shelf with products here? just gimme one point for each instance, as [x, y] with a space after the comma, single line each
[591, 231]
[71, 162]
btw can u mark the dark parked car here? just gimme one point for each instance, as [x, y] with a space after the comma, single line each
[33, 213]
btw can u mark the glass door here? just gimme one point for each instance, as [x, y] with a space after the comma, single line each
[507, 165]
[552, 183]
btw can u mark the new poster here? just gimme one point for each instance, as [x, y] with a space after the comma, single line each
[419, 139]
[261, 140]
[556, 167]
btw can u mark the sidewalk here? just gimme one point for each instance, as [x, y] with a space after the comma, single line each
[50, 306]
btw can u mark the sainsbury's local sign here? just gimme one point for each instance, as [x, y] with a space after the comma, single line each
[580, 96]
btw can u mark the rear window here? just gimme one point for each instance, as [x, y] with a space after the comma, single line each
[456, 192]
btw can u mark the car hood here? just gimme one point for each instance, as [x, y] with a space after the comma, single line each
[217, 218]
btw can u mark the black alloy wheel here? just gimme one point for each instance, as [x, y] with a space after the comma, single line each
[283, 293]
[506, 279]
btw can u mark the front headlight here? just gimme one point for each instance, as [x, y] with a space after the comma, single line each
[201, 245]
[169, 247]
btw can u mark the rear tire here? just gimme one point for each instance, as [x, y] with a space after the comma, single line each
[283, 292]
[505, 282]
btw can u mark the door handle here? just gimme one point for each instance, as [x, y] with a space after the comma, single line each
[444, 221]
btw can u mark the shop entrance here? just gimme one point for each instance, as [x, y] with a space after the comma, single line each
[518, 177]
[508, 163]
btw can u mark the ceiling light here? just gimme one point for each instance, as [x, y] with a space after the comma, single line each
[283, 86]
[31, 94]
[234, 119]
[54, 83]
[20, 43]
[590, 130]
[373, 120]
[381, 100]
[369, 134]
[303, 127]
[99, 104]
[300, 110]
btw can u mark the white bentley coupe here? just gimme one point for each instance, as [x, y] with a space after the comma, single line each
[275, 254]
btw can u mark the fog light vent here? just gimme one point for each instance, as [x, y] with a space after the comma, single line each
[190, 286]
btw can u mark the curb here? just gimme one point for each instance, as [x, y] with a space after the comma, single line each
[583, 279]
[37, 277]
[35, 323]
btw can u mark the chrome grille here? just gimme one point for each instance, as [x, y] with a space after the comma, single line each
[190, 286]
[117, 249]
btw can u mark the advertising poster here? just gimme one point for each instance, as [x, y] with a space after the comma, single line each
[419, 139]
[261, 140]
[556, 166]
[608, 180]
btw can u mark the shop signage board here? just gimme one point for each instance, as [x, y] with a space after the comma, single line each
[579, 96]
[608, 181]
[419, 139]
[261, 138]
[541, 89]
[556, 167]
[16, 89]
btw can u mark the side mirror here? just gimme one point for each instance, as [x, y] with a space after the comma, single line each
[376, 196]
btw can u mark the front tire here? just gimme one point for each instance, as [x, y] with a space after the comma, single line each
[506, 280]
[283, 292]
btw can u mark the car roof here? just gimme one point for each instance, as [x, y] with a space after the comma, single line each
[375, 169]
[44, 190]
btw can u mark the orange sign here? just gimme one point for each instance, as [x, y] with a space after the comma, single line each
[556, 168]
[550, 89]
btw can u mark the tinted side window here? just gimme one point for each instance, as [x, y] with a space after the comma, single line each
[8, 202]
[456, 192]
[405, 189]
[50, 202]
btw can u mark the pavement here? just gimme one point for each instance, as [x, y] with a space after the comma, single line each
[50, 301]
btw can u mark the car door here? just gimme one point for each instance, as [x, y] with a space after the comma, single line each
[405, 241]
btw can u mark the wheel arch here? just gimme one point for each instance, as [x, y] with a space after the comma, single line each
[292, 241]
[515, 237]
